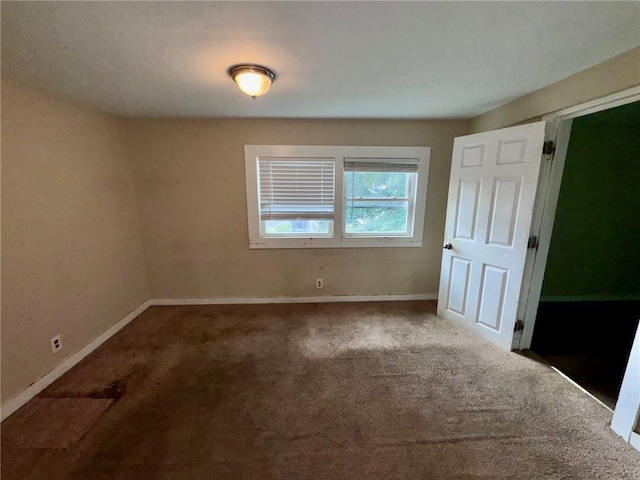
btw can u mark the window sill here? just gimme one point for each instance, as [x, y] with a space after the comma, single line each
[346, 242]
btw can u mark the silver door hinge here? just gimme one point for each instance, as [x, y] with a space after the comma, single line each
[519, 326]
[548, 147]
[533, 242]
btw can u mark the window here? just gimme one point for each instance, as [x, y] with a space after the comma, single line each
[379, 197]
[296, 196]
[327, 197]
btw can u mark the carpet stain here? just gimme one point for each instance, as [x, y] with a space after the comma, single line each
[114, 391]
[468, 438]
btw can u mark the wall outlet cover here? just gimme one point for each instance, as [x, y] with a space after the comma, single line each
[56, 343]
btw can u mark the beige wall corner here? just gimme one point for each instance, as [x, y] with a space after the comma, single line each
[191, 192]
[614, 75]
[71, 250]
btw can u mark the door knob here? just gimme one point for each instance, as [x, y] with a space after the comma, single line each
[447, 246]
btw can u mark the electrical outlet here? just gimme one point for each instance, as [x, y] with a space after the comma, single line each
[318, 283]
[56, 343]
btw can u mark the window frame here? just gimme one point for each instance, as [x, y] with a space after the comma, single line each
[340, 239]
[411, 199]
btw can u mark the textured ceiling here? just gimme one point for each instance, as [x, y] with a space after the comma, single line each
[334, 59]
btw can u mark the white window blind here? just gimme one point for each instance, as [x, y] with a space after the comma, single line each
[296, 188]
[399, 165]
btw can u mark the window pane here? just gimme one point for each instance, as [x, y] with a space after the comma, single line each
[376, 217]
[293, 227]
[377, 184]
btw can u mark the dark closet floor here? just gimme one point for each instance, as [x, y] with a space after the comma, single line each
[589, 342]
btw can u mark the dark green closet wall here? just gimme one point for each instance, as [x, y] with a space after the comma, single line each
[595, 246]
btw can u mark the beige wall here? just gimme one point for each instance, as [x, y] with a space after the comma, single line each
[614, 75]
[71, 251]
[190, 188]
[72, 259]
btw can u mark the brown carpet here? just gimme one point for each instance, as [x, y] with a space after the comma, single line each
[52, 422]
[330, 391]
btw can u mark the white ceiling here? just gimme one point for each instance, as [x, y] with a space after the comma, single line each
[334, 59]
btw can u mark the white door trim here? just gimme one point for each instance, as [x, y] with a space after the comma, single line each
[547, 200]
[627, 409]
[607, 102]
[542, 227]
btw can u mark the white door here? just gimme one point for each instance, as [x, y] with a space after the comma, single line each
[493, 183]
[627, 413]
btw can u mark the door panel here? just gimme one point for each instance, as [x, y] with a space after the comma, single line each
[492, 295]
[459, 286]
[472, 155]
[466, 216]
[504, 211]
[512, 151]
[491, 194]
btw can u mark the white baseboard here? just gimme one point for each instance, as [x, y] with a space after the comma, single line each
[10, 406]
[589, 298]
[265, 300]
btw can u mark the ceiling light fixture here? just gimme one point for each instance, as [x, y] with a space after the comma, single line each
[254, 80]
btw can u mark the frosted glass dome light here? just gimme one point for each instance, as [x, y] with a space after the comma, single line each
[254, 80]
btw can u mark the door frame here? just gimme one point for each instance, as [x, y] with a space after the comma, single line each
[558, 131]
[627, 412]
